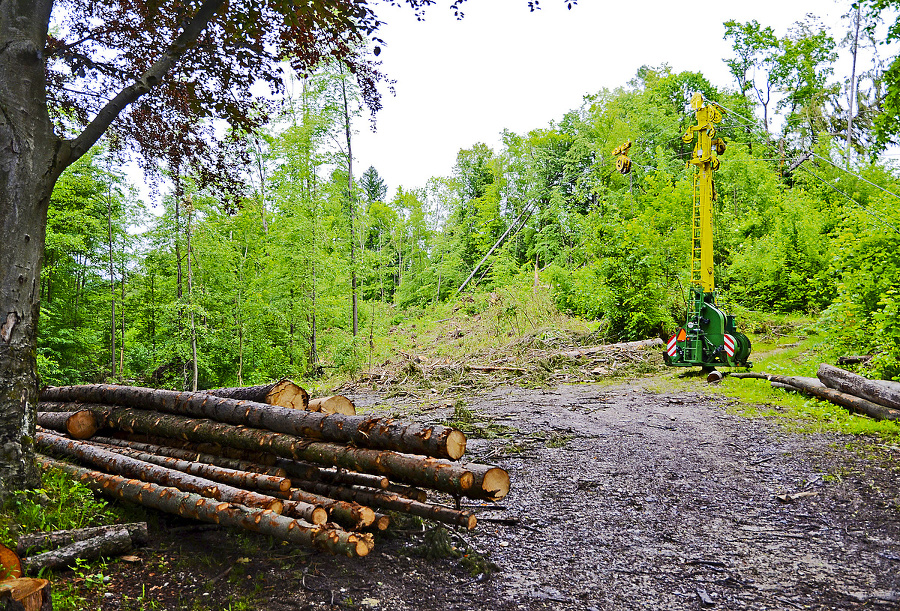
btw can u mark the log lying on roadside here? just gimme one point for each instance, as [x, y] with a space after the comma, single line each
[190, 505]
[80, 424]
[284, 393]
[114, 542]
[345, 513]
[851, 402]
[307, 471]
[147, 472]
[335, 404]
[369, 432]
[859, 386]
[30, 543]
[427, 472]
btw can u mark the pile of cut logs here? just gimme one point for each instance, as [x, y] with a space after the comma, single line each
[878, 399]
[259, 458]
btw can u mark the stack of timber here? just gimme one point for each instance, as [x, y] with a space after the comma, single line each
[878, 399]
[320, 478]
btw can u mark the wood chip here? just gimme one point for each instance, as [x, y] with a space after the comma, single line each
[789, 498]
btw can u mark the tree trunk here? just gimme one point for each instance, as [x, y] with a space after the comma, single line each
[112, 543]
[78, 425]
[315, 473]
[129, 467]
[393, 502]
[25, 594]
[263, 459]
[52, 540]
[312, 513]
[366, 431]
[349, 514]
[859, 386]
[284, 393]
[29, 166]
[184, 454]
[189, 505]
[335, 404]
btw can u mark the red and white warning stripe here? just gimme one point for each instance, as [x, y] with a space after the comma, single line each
[729, 344]
[670, 347]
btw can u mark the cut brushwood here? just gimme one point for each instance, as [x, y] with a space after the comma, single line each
[147, 472]
[335, 404]
[28, 544]
[284, 393]
[110, 543]
[364, 431]
[190, 505]
[859, 386]
[582, 352]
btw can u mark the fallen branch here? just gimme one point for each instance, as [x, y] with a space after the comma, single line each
[111, 543]
[49, 540]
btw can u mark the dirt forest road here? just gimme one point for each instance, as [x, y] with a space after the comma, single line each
[668, 501]
[622, 498]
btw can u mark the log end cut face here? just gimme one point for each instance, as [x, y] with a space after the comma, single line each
[456, 444]
[495, 484]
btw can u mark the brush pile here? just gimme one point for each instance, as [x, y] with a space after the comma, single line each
[878, 399]
[225, 456]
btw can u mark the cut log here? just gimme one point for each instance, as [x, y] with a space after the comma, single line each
[81, 424]
[364, 431]
[382, 522]
[10, 564]
[851, 402]
[410, 492]
[25, 594]
[232, 477]
[314, 514]
[335, 404]
[263, 459]
[854, 360]
[190, 505]
[209, 459]
[315, 473]
[28, 544]
[490, 483]
[393, 502]
[859, 386]
[421, 471]
[129, 467]
[111, 543]
[349, 514]
[284, 393]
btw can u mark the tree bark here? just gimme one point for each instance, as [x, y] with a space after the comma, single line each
[57, 538]
[349, 514]
[393, 502]
[284, 393]
[315, 473]
[364, 431]
[262, 459]
[129, 467]
[231, 477]
[859, 386]
[335, 404]
[112, 543]
[312, 513]
[82, 424]
[209, 459]
[186, 504]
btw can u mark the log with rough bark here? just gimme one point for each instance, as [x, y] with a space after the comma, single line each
[10, 563]
[582, 352]
[312, 513]
[851, 402]
[410, 492]
[284, 393]
[25, 594]
[854, 360]
[31, 543]
[81, 424]
[209, 459]
[263, 459]
[129, 467]
[382, 522]
[393, 502]
[363, 431]
[426, 472]
[859, 386]
[111, 543]
[316, 473]
[335, 404]
[190, 505]
[232, 477]
[349, 514]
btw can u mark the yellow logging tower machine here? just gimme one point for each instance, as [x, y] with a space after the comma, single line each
[709, 337]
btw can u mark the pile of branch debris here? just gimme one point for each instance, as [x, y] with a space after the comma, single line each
[237, 458]
[878, 399]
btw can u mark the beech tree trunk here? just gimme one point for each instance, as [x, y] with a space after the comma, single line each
[365, 431]
[57, 538]
[129, 467]
[854, 384]
[112, 543]
[30, 163]
[190, 505]
[284, 393]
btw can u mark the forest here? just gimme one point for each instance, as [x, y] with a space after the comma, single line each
[301, 266]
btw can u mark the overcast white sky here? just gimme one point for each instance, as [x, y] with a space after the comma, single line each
[462, 82]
